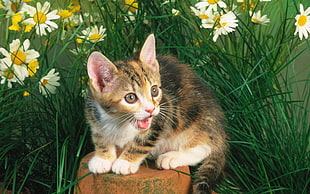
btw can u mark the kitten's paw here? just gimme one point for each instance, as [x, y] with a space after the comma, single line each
[169, 160]
[124, 167]
[98, 165]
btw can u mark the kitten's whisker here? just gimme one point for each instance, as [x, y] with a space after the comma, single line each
[125, 118]
[172, 107]
[167, 115]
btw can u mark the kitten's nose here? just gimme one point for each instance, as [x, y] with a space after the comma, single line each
[149, 110]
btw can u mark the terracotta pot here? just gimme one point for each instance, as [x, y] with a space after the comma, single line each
[146, 180]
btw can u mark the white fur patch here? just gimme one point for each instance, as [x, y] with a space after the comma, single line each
[124, 167]
[118, 134]
[98, 165]
[192, 156]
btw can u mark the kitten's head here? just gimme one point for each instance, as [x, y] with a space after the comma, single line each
[128, 90]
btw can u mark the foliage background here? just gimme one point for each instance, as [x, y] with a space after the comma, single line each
[253, 71]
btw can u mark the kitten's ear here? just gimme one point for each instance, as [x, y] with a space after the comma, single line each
[148, 53]
[101, 71]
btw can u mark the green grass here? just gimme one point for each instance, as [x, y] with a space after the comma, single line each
[252, 71]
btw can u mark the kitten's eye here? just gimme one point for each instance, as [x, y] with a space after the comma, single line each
[154, 91]
[131, 98]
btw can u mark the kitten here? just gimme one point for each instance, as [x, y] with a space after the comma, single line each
[153, 106]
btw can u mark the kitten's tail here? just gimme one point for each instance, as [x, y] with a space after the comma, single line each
[209, 173]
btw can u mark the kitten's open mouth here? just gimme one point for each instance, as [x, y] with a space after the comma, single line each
[145, 123]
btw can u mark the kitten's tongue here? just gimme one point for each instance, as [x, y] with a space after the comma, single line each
[145, 123]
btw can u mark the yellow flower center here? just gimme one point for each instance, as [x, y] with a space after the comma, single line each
[203, 16]
[302, 20]
[94, 37]
[14, 6]
[213, 1]
[8, 74]
[39, 18]
[254, 20]
[18, 57]
[44, 82]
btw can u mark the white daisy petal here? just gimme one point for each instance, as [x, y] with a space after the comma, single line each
[29, 21]
[52, 24]
[4, 52]
[39, 7]
[52, 15]
[15, 45]
[26, 44]
[201, 5]
[31, 54]
[221, 4]
[45, 8]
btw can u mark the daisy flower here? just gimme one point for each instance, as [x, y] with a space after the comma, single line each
[41, 18]
[94, 34]
[201, 13]
[18, 56]
[221, 24]
[211, 4]
[257, 18]
[6, 73]
[49, 82]
[303, 22]
[12, 6]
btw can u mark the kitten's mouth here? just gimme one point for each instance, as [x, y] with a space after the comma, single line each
[145, 123]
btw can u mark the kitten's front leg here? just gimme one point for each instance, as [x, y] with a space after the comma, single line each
[184, 157]
[124, 167]
[103, 159]
[133, 155]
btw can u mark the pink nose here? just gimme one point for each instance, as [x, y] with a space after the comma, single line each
[149, 110]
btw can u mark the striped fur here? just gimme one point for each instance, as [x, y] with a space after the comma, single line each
[175, 118]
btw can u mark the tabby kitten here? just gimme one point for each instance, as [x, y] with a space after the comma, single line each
[153, 106]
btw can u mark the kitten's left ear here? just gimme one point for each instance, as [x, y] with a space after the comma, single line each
[148, 53]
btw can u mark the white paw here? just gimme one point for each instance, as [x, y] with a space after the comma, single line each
[170, 160]
[124, 167]
[98, 165]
